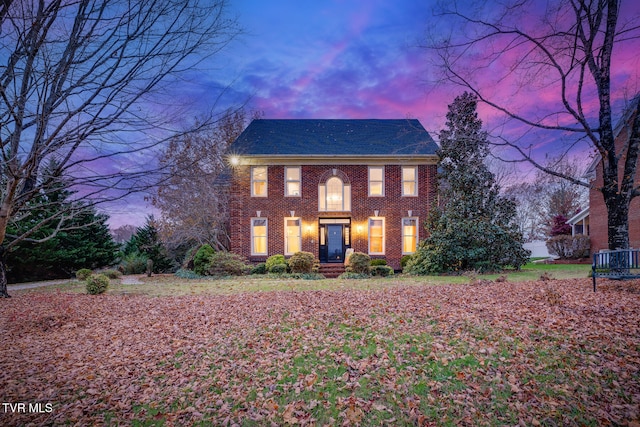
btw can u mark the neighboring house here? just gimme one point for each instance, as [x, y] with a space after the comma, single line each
[324, 186]
[597, 209]
[580, 223]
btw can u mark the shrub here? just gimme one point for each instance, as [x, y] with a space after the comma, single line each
[202, 259]
[112, 274]
[278, 269]
[83, 274]
[259, 269]
[404, 260]
[469, 245]
[227, 264]
[301, 262]
[381, 270]
[378, 261]
[187, 274]
[359, 263]
[275, 260]
[352, 275]
[565, 246]
[97, 284]
[134, 263]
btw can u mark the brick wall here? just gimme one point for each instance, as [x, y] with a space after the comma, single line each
[393, 207]
[598, 210]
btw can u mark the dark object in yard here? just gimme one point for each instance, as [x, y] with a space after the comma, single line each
[149, 267]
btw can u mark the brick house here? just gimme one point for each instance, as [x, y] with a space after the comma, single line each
[597, 211]
[324, 186]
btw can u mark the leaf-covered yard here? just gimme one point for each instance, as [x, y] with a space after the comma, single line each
[530, 353]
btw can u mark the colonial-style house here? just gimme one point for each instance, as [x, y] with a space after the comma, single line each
[597, 211]
[324, 186]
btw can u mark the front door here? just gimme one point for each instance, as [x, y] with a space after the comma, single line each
[334, 239]
[335, 249]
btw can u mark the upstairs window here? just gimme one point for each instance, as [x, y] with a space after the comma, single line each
[334, 196]
[376, 181]
[292, 181]
[259, 181]
[409, 181]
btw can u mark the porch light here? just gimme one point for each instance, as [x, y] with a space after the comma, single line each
[409, 212]
[258, 213]
[234, 160]
[359, 229]
[376, 212]
[293, 213]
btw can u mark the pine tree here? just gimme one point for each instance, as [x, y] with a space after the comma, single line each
[83, 241]
[473, 228]
[146, 243]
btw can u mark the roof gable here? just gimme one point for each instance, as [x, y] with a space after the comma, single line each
[334, 137]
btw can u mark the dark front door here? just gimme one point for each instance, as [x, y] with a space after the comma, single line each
[335, 245]
[334, 239]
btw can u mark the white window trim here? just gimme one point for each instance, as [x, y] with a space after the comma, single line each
[415, 181]
[299, 181]
[384, 233]
[253, 252]
[286, 236]
[324, 202]
[402, 234]
[369, 181]
[266, 182]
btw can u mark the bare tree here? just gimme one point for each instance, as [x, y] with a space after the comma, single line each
[194, 201]
[84, 82]
[510, 55]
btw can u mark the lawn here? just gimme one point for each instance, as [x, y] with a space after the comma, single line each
[258, 351]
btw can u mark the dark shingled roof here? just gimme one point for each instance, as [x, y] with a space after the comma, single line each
[334, 137]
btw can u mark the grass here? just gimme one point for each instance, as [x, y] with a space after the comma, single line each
[381, 351]
[170, 285]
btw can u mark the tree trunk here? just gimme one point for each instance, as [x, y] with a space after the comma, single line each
[617, 222]
[3, 274]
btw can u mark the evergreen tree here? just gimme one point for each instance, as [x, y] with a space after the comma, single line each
[473, 228]
[83, 240]
[146, 243]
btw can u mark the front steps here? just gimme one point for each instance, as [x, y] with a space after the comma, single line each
[331, 271]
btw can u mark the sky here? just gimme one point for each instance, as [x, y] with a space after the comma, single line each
[351, 59]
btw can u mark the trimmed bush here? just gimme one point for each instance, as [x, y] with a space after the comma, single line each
[202, 259]
[227, 264]
[83, 274]
[275, 260]
[359, 263]
[259, 269]
[301, 262]
[97, 284]
[565, 246]
[278, 269]
[381, 270]
[378, 261]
